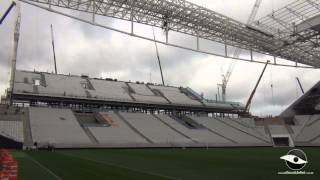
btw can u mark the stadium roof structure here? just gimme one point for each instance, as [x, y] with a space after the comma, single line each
[57, 89]
[284, 34]
[296, 26]
[309, 103]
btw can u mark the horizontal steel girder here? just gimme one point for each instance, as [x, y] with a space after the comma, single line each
[188, 18]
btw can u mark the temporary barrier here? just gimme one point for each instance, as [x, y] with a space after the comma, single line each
[8, 166]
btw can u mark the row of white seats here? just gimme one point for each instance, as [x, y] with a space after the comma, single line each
[198, 135]
[245, 125]
[277, 129]
[143, 93]
[12, 129]
[164, 129]
[110, 89]
[228, 131]
[49, 125]
[141, 89]
[300, 122]
[310, 130]
[62, 85]
[154, 129]
[175, 96]
[118, 133]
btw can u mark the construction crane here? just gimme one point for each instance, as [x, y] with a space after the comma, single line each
[158, 56]
[236, 54]
[300, 85]
[225, 80]
[247, 107]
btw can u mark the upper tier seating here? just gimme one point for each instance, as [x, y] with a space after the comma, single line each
[55, 85]
[24, 81]
[218, 105]
[70, 86]
[110, 90]
[175, 96]
[32, 84]
[63, 86]
[143, 93]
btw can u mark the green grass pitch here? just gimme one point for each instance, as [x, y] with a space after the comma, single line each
[161, 164]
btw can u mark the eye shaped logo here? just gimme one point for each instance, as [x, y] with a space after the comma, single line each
[295, 159]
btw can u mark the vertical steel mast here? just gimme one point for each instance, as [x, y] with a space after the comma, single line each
[54, 51]
[15, 51]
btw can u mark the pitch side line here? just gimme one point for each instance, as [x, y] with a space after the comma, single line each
[45, 168]
[123, 167]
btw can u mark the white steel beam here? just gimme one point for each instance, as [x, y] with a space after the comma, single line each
[188, 18]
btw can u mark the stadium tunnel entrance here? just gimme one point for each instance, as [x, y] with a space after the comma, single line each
[282, 141]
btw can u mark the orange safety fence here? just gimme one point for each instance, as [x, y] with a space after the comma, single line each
[8, 166]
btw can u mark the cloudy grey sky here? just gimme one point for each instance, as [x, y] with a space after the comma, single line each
[84, 49]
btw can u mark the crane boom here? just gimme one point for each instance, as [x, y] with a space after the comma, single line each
[237, 52]
[254, 11]
[255, 88]
[300, 85]
[158, 57]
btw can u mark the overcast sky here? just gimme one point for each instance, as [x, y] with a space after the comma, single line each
[84, 49]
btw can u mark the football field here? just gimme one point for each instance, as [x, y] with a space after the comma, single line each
[154, 164]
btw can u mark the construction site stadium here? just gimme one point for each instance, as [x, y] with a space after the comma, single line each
[63, 126]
